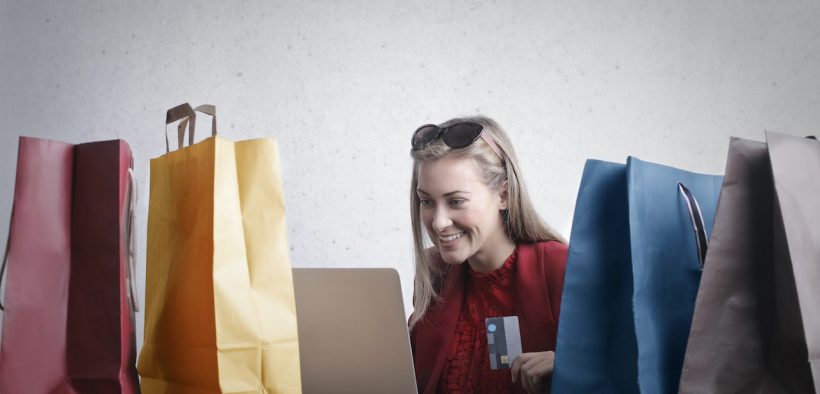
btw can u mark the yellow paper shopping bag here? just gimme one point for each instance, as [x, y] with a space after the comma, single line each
[220, 314]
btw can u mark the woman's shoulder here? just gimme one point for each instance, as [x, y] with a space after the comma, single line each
[548, 253]
[545, 248]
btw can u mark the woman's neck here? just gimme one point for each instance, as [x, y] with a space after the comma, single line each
[492, 256]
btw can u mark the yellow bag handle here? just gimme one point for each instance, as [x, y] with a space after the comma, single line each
[187, 117]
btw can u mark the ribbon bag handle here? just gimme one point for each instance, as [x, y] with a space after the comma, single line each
[697, 222]
[131, 240]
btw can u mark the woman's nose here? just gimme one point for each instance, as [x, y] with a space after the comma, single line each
[441, 220]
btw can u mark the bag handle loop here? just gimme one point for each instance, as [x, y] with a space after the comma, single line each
[5, 262]
[182, 112]
[187, 118]
[131, 240]
[209, 109]
[697, 222]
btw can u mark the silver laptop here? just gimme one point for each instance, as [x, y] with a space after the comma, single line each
[352, 331]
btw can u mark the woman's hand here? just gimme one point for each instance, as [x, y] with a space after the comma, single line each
[534, 370]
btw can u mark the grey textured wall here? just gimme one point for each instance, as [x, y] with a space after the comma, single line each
[342, 85]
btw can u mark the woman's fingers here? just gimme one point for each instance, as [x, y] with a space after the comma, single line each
[529, 372]
[515, 370]
[538, 374]
[533, 370]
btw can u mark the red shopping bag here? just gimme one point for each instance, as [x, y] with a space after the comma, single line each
[68, 323]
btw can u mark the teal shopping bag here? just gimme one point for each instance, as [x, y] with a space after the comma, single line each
[636, 250]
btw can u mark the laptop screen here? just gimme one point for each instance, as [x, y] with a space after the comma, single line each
[352, 331]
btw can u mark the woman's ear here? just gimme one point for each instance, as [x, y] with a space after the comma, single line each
[503, 193]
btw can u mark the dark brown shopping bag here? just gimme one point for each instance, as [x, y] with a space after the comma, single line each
[749, 332]
[68, 323]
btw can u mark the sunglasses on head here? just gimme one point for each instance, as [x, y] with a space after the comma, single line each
[457, 135]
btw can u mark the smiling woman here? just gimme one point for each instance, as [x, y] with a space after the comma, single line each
[468, 197]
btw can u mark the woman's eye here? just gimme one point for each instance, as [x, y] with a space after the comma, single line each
[456, 203]
[424, 202]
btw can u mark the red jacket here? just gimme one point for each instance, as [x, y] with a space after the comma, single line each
[538, 280]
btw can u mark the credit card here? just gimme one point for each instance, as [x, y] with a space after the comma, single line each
[503, 340]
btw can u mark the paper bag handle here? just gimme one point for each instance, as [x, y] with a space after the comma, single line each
[209, 109]
[182, 112]
[187, 118]
[697, 222]
[206, 109]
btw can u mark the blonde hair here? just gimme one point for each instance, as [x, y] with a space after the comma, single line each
[522, 223]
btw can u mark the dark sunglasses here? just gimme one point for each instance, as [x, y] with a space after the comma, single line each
[457, 135]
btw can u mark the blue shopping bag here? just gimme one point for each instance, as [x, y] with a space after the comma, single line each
[638, 239]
